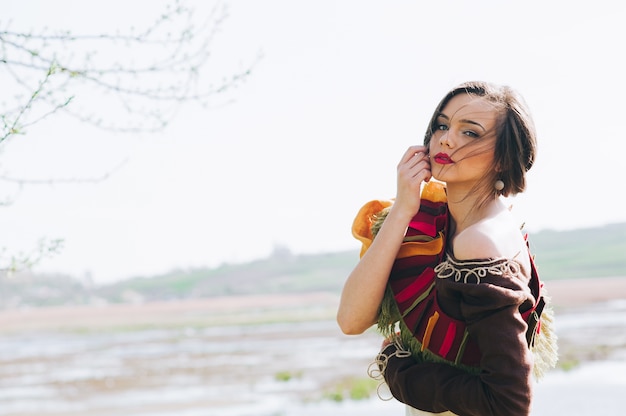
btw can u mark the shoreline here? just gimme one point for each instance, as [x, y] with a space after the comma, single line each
[573, 293]
[262, 355]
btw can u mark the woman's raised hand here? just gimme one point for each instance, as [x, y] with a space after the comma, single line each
[413, 169]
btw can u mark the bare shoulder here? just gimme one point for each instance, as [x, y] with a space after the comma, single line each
[495, 237]
[476, 242]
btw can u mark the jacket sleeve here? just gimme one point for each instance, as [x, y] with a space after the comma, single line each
[503, 386]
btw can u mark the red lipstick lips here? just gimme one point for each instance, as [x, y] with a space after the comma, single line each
[443, 159]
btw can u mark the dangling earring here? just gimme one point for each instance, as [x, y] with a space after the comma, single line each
[499, 185]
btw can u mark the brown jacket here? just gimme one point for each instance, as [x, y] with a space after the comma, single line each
[487, 295]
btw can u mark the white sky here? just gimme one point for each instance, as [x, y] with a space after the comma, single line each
[343, 88]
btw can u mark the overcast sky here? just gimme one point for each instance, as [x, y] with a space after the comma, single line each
[343, 88]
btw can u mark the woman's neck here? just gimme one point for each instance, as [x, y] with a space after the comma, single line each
[467, 207]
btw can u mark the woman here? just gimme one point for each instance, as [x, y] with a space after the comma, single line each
[447, 265]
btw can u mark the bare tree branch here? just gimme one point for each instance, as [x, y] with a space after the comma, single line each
[153, 73]
[44, 249]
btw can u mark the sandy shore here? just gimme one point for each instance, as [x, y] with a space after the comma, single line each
[230, 310]
[565, 294]
[581, 292]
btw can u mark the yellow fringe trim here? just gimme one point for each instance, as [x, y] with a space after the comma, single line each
[545, 349]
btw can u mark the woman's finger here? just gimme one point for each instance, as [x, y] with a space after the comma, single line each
[412, 151]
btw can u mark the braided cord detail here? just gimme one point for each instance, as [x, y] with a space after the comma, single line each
[376, 369]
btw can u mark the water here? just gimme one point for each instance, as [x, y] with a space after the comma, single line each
[235, 370]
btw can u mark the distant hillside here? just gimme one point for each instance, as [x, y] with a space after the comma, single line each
[592, 252]
[589, 252]
[276, 274]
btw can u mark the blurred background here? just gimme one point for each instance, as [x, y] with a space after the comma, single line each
[178, 180]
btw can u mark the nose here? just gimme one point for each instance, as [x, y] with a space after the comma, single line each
[444, 140]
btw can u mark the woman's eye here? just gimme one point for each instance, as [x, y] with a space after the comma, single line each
[471, 134]
[441, 127]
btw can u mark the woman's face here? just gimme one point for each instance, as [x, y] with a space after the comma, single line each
[462, 146]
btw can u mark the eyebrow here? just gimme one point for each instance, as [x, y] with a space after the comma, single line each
[467, 121]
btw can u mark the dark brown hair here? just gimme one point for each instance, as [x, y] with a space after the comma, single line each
[516, 141]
